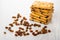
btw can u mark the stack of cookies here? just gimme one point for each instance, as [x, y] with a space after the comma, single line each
[41, 12]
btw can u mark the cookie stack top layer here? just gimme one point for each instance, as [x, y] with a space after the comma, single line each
[43, 5]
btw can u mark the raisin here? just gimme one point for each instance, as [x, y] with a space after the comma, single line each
[24, 18]
[39, 17]
[49, 30]
[34, 34]
[11, 25]
[13, 16]
[16, 34]
[27, 33]
[46, 16]
[11, 30]
[4, 32]
[6, 27]
[16, 20]
[21, 28]
[45, 26]
[44, 31]
[21, 21]
[18, 15]
[31, 30]
[36, 30]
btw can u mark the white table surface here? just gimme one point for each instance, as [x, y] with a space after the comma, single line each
[9, 8]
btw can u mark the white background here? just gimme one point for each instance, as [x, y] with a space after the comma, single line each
[9, 8]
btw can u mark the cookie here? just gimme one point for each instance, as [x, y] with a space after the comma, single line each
[41, 12]
[44, 5]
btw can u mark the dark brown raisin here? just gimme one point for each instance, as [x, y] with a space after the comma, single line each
[35, 24]
[13, 16]
[26, 30]
[46, 16]
[49, 30]
[26, 23]
[34, 34]
[4, 32]
[6, 27]
[39, 17]
[16, 31]
[17, 24]
[16, 20]
[39, 32]
[41, 12]
[39, 25]
[31, 25]
[11, 30]
[44, 31]
[39, 8]
[21, 21]
[19, 33]
[24, 18]
[27, 33]
[45, 26]
[18, 15]
[11, 25]
[16, 34]
[32, 10]
[40, 22]
[21, 28]
[31, 30]
[46, 21]
[36, 30]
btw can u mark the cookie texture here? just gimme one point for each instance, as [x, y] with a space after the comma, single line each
[42, 12]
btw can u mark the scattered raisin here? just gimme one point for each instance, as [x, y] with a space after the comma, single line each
[45, 26]
[26, 30]
[11, 25]
[26, 23]
[39, 25]
[24, 18]
[27, 33]
[36, 30]
[16, 34]
[4, 32]
[11, 30]
[21, 21]
[39, 32]
[17, 24]
[6, 27]
[49, 30]
[21, 28]
[18, 15]
[16, 20]
[34, 34]
[31, 25]
[13, 16]
[31, 30]
[44, 31]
